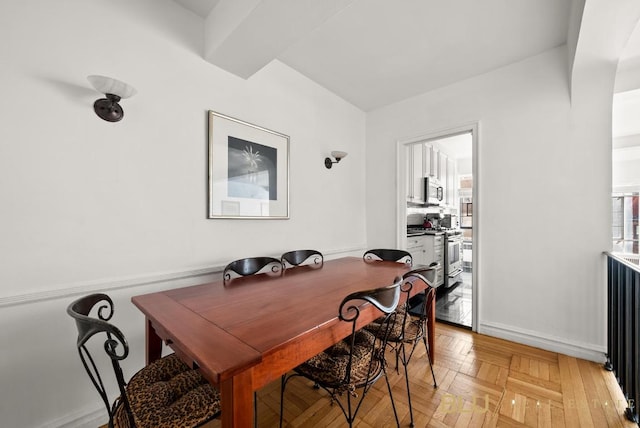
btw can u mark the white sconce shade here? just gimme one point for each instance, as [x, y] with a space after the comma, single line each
[108, 85]
[338, 155]
[114, 90]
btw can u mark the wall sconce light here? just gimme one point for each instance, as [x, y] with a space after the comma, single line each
[114, 90]
[336, 154]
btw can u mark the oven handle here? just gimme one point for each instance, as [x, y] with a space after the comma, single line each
[454, 273]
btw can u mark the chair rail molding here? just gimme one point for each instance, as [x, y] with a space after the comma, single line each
[190, 276]
[85, 287]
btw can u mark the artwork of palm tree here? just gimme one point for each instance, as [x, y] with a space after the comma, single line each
[252, 170]
[252, 158]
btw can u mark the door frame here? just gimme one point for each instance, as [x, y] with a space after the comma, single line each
[401, 202]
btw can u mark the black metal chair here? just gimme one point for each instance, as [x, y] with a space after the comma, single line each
[356, 362]
[408, 330]
[165, 394]
[251, 266]
[386, 254]
[299, 257]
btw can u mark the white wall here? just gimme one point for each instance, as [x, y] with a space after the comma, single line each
[544, 183]
[626, 169]
[91, 205]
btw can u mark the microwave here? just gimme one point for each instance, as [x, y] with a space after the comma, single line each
[449, 221]
[433, 193]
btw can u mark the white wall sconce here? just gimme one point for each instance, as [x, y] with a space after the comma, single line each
[114, 90]
[336, 154]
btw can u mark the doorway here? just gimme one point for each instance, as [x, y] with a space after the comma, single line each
[449, 158]
[454, 300]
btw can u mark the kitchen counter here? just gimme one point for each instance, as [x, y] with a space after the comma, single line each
[426, 232]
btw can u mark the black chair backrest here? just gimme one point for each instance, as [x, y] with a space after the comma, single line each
[387, 254]
[115, 344]
[386, 300]
[252, 266]
[298, 257]
[422, 300]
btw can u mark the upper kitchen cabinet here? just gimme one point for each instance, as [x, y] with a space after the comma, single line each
[451, 183]
[439, 159]
[422, 161]
[430, 156]
[435, 170]
[415, 173]
[442, 171]
[426, 160]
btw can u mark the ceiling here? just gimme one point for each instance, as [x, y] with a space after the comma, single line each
[199, 7]
[376, 52]
[626, 102]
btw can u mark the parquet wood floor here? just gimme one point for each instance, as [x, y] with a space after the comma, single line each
[482, 382]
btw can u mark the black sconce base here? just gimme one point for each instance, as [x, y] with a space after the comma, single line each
[108, 108]
[328, 163]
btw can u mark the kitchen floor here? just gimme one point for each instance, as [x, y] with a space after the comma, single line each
[453, 305]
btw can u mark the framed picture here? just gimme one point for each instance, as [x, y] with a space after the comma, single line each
[248, 170]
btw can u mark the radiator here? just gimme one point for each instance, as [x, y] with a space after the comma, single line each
[623, 328]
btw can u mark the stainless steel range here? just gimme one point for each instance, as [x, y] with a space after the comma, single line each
[452, 244]
[452, 257]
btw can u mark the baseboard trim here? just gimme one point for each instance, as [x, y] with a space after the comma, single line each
[550, 343]
[105, 285]
[89, 419]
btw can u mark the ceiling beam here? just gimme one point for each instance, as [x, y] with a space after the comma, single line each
[244, 36]
[604, 30]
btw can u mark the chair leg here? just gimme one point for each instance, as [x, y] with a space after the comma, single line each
[405, 363]
[255, 409]
[350, 414]
[424, 340]
[393, 404]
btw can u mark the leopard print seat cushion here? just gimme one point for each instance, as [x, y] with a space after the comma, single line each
[415, 329]
[395, 327]
[167, 393]
[329, 368]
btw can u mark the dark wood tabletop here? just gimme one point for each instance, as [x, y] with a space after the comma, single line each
[249, 332]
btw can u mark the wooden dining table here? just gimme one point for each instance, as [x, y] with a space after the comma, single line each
[249, 332]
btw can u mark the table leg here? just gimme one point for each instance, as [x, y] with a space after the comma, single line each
[431, 327]
[236, 395]
[153, 350]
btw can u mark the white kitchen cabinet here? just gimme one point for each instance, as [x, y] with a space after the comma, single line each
[429, 164]
[425, 160]
[416, 247]
[434, 252]
[415, 173]
[418, 173]
[439, 165]
[442, 175]
[408, 176]
[451, 183]
[442, 166]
